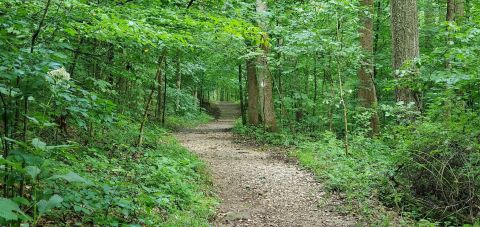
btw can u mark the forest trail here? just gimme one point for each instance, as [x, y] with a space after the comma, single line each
[256, 187]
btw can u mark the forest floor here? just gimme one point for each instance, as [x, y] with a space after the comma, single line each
[258, 186]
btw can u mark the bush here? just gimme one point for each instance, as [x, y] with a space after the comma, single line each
[112, 182]
[441, 172]
[426, 171]
[362, 175]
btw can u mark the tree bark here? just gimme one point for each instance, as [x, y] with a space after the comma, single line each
[179, 81]
[450, 10]
[264, 73]
[76, 54]
[315, 85]
[240, 89]
[160, 100]
[405, 40]
[164, 93]
[40, 25]
[455, 10]
[252, 92]
[340, 85]
[145, 117]
[459, 10]
[367, 92]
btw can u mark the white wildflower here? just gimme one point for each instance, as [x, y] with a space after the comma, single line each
[59, 74]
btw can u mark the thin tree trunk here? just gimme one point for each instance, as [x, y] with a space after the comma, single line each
[6, 144]
[159, 111]
[315, 81]
[40, 25]
[179, 81]
[240, 88]
[164, 93]
[377, 35]
[76, 54]
[145, 117]
[110, 58]
[367, 92]
[149, 102]
[340, 83]
[252, 92]
[450, 17]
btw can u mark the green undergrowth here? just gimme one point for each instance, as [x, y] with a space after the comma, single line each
[358, 175]
[187, 121]
[159, 183]
[400, 178]
[111, 182]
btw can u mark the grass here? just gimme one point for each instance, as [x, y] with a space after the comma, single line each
[188, 121]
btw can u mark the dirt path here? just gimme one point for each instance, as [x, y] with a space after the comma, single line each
[256, 187]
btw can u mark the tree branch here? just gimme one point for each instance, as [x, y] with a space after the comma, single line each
[190, 3]
[37, 32]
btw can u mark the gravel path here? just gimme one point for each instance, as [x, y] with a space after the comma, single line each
[256, 187]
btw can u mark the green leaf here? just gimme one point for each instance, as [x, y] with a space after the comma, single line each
[39, 144]
[21, 201]
[33, 120]
[54, 201]
[33, 171]
[70, 177]
[70, 31]
[45, 206]
[9, 209]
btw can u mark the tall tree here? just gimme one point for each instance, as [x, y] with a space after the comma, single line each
[179, 80]
[455, 10]
[252, 92]
[367, 92]
[268, 108]
[450, 10]
[160, 84]
[405, 45]
[459, 9]
[240, 89]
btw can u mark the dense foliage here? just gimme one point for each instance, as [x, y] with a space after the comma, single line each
[424, 161]
[89, 87]
[85, 87]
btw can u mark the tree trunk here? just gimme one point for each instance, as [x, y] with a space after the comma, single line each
[459, 10]
[450, 19]
[315, 85]
[240, 89]
[252, 92]
[179, 82]
[145, 117]
[340, 85]
[76, 54]
[264, 73]
[405, 39]
[377, 35]
[367, 92]
[429, 22]
[450, 10]
[164, 93]
[160, 100]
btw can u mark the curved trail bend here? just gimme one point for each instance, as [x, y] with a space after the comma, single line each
[255, 187]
